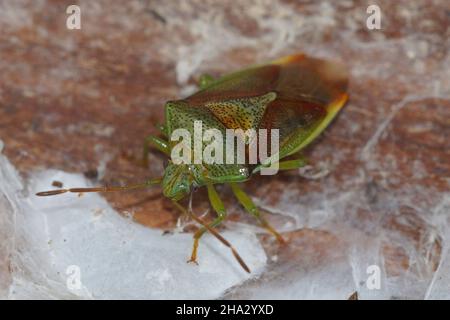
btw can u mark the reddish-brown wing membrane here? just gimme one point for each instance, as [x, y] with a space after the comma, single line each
[309, 93]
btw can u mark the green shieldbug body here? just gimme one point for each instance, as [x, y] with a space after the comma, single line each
[296, 96]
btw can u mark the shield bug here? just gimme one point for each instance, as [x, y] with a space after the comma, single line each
[295, 97]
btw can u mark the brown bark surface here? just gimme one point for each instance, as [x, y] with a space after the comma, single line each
[78, 100]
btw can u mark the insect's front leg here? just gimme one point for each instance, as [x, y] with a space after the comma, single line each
[158, 143]
[251, 208]
[219, 208]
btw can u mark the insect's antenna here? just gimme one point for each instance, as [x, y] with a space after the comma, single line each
[215, 234]
[101, 189]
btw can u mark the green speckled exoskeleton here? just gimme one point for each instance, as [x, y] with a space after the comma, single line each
[297, 95]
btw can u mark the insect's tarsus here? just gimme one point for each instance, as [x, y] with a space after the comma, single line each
[215, 234]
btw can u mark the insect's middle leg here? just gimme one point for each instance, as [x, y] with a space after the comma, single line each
[219, 208]
[251, 208]
[158, 143]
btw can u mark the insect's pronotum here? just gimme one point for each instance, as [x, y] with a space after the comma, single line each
[297, 95]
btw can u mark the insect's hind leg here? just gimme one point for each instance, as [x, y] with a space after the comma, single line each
[157, 143]
[251, 208]
[219, 208]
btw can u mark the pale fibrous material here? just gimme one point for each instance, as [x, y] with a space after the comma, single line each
[73, 247]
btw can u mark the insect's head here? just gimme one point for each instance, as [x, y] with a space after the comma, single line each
[176, 181]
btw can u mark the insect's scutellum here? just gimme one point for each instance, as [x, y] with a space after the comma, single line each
[292, 100]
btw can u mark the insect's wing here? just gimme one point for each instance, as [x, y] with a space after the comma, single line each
[241, 113]
[309, 93]
[251, 82]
